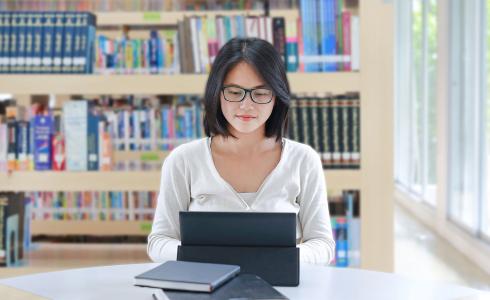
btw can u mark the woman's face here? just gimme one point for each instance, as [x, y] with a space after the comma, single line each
[246, 116]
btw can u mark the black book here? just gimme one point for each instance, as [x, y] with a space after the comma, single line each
[189, 276]
[244, 286]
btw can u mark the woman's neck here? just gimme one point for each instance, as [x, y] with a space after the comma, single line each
[245, 143]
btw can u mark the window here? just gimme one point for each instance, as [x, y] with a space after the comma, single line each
[416, 104]
[466, 114]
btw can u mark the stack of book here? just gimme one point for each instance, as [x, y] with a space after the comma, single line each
[346, 227]
[331, 125]
[46, 42]
[15, 235]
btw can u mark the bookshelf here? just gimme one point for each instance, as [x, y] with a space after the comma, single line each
[170, 18]
[340, 82]
[374, 82]
[125, 180]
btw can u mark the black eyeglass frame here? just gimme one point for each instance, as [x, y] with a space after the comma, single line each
[245, 94]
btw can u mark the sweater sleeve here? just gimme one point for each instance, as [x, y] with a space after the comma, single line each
[174, 196]
[318, 245]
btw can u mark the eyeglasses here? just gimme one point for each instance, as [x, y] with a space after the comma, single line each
[237, 94]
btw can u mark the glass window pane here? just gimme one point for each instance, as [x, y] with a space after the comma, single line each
[486, 198]
[430, 190]
[417, 98]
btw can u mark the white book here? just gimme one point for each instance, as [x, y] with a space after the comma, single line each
[354, 28]
[76, 127]
[262, 32]
[195, 45]
[252, 26]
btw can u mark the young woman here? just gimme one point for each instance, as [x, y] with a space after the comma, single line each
[245, 163]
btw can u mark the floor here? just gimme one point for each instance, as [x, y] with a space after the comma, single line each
[419, 253]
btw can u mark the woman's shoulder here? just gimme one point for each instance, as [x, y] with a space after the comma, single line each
[188, 150]
[301, 152]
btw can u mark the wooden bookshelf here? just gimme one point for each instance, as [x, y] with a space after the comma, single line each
[126, 180]
[374, 82]
[170, 18]
[92, 228]
[19, 84]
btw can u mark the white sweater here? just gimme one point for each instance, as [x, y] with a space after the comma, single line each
[191, 182]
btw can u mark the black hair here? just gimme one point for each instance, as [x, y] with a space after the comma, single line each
[265, 59]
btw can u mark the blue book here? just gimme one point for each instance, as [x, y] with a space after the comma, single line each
[341, 247]
[59, 20]
[43, 126]
[47, 39]
[69, 21]
[3, 40]
[90, 48]
[154, 48]
[37, 42]
[28, 42]
[92, 142]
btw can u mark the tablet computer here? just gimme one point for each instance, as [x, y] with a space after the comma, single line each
[237, 229]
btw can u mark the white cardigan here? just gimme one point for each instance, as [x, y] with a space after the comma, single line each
[190, 181]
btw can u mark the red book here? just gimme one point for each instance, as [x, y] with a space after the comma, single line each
[58, 148]
[346, 15]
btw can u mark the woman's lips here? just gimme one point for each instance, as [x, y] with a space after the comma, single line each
[245, 118]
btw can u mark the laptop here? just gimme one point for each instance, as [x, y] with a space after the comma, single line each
[199, 228]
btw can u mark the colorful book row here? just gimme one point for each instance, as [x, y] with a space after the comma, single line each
[90, 205]
[85, 135]
[138, 5]
[157, 54]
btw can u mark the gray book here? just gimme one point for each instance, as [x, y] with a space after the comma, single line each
[187, 276]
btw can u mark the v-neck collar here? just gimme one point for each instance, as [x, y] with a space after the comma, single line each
[229, 186]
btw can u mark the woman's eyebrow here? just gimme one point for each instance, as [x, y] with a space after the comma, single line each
[237, 85]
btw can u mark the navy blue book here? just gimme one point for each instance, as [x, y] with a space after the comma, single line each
[244, 286]
[187, 276]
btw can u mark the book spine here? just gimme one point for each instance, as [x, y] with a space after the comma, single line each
[12, 145]
[354, 29]
[29, 42]
[346, 20]
[346, 157]
[48, 43]
[279, 37]
[92, 142]
[42, 142]
[291, 46]
[3, 147]
[22, 145]
[6, 41]
[339, 32]
[69, 20]
[341, 244]
[75, 123]
[356, 135]
[58, 20]
[37, 42]
[58, 146]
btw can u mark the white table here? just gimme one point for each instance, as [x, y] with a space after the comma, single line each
[316, 282]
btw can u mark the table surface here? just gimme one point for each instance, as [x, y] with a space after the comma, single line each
[316, 282]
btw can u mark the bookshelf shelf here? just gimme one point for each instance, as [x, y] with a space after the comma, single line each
[126, 180]
[88, 227]
[171, 17]
[338, 82]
